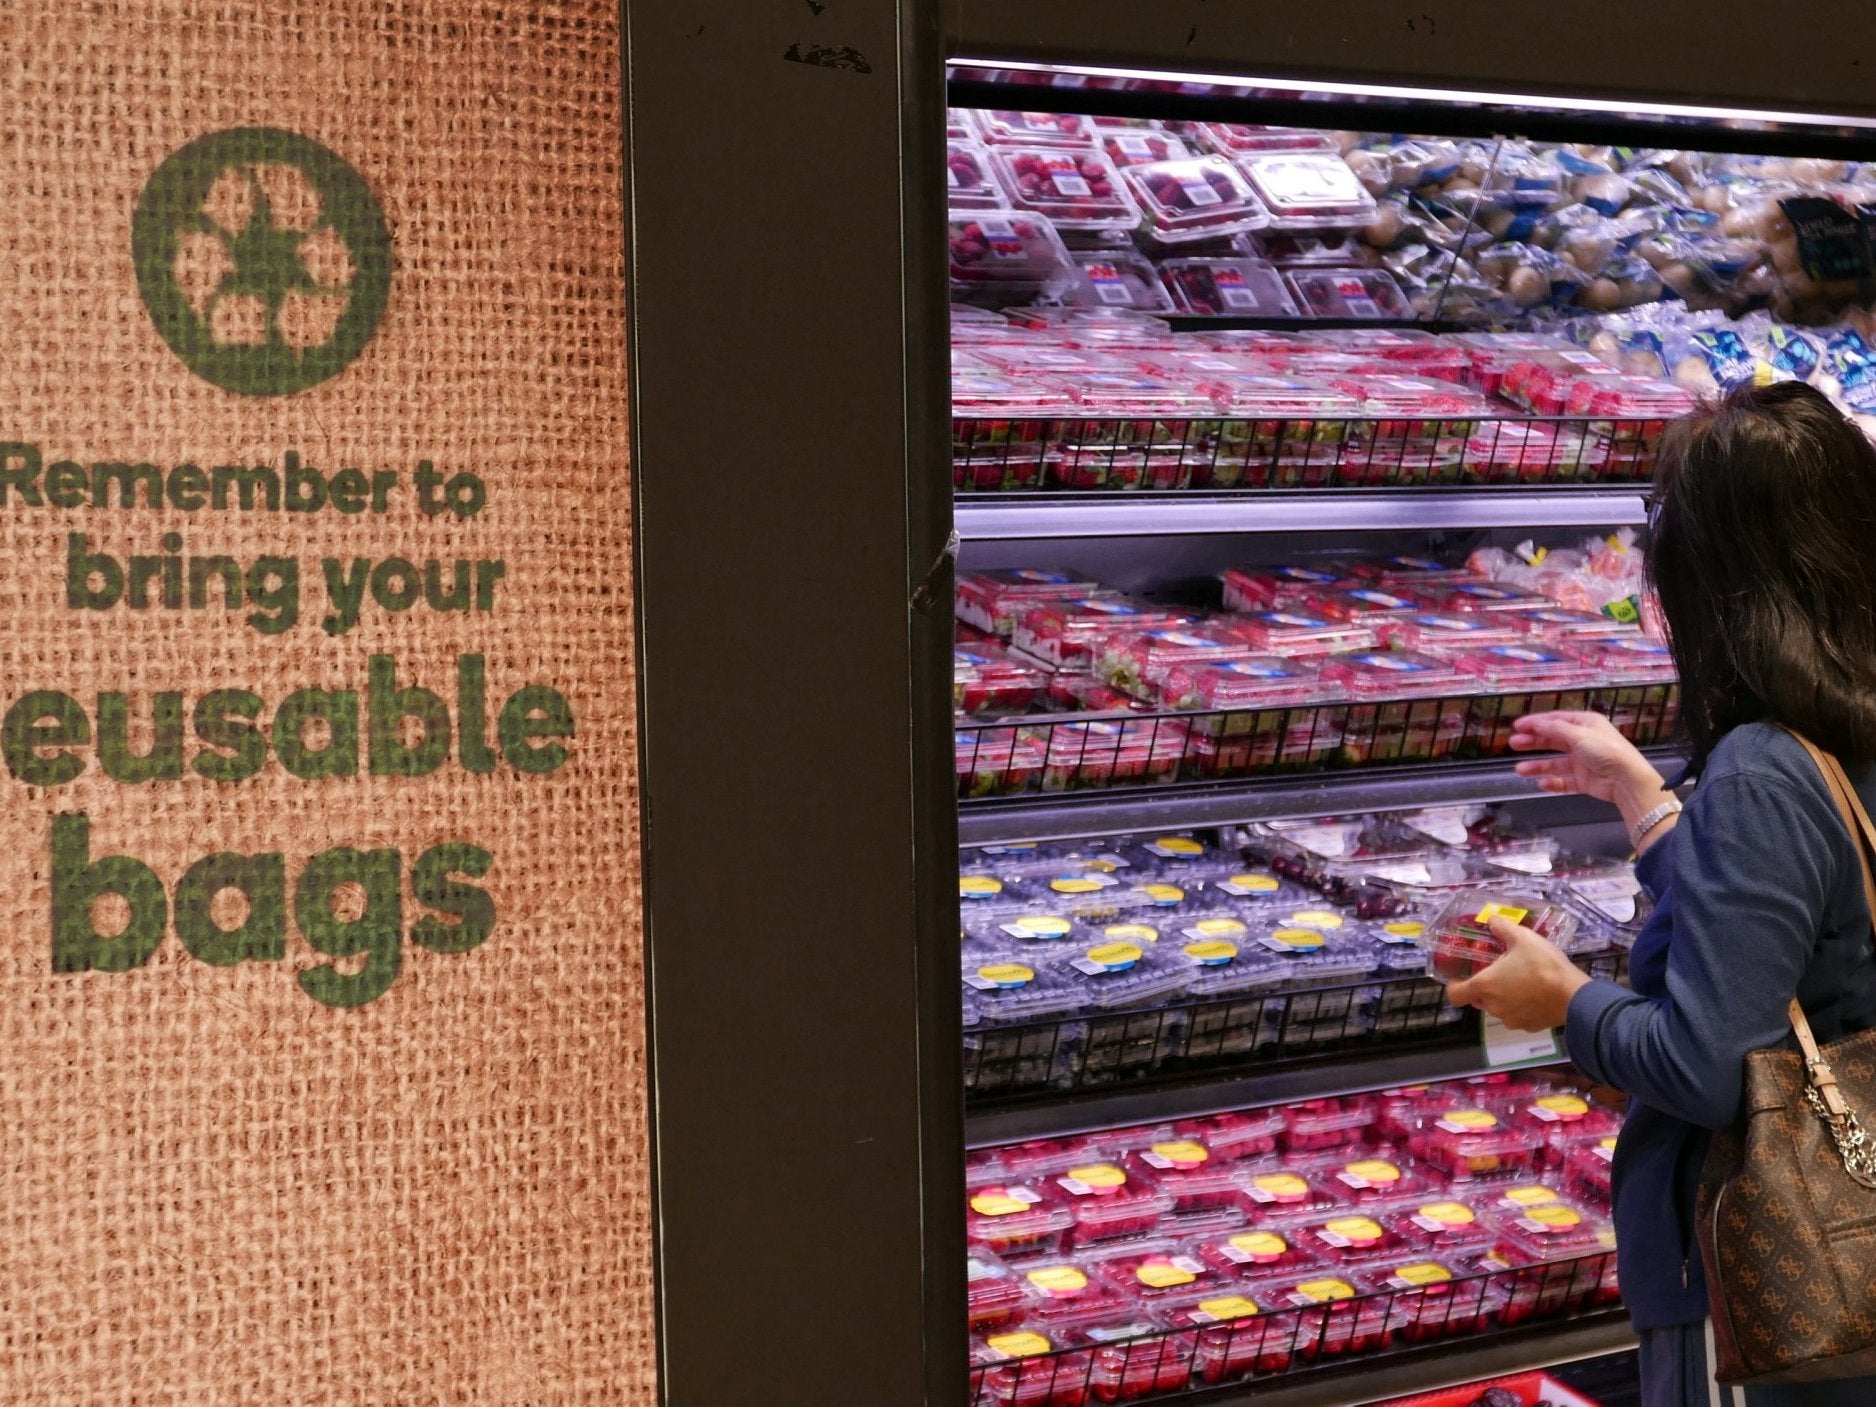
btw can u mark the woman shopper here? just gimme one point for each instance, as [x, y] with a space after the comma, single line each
[1763, 556]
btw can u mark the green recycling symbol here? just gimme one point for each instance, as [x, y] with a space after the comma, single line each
[263, 258]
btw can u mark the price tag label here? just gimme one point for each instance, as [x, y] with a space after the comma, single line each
[1505, 1047]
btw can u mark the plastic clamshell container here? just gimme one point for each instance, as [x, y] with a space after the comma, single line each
[1124, 972]
[1392, 392]
[1038, 1157]
[1555, 1230]
[1140, 146]
[1316, 1124]
[1351, 1237]
[1366, 604]
[1295, 633]
[1406, 570]
[984, 896]
[1441, 1224]
[1605, 891]
[994, 1293]
[1294, 249]
[1134, 394]
[1459, 939]
[976, 393]
[1006, 996]
[1043, 923]
[1284, 1194]
[1626, 659]
[1308, 190]
[1187, 1169]
[1236, 138]
[1523, 667]
[1542, 381]
[1065, 1293]
[1261, 682]
[1558, 625]
[1007, 247]
[1333, 1311]
[1435, 632]
[1138, 662]
[1057, 129]
[1255, 1252]
[1251, 1133]
[1155, 1271]
[1019, 1367]
[1131, 1358]
[1274, 588]
[1075, 188]
[1105, 752]
[1061, 633]
[1044, 359]
[1463, 596]
[969, 184]
[993, 601]
[1119, 279]
[1588, 1170]
[1227, 1335]
[1395, 674]
[1626, 397]
[1348, 293]
[1564, 1119]
[1378, 1178]
[1466, 1142]
[1435, 1296]
[1197, 198]
[1016, 1219]
[1227, 287]
[1109, 1202]
[995, 761]
[985, 680]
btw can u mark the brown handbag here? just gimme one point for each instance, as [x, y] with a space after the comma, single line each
[1786, 1214]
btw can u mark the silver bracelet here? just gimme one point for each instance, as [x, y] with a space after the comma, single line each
[1650, 820]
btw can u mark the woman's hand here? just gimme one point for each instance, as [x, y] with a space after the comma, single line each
[1529, 988]
[1594, 760]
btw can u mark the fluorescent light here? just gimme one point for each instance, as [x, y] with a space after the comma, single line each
[1540, 102]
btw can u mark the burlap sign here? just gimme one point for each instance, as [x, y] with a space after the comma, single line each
[321, 1048]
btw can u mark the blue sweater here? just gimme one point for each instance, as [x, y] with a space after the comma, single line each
[1759, 895]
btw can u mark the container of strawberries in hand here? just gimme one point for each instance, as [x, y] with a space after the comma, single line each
[1196, 198]
[1459, 938]
[1076, 189]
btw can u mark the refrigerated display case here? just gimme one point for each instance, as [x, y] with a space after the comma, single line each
[836, 1037]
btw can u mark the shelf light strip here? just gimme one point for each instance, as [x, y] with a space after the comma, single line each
[1622, 107]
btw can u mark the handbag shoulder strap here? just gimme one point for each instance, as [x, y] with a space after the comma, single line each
[1856, 819]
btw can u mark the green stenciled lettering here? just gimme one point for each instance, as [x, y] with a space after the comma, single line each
[346, 590]
[433, 882]
[395, 584]
[19, 469]
[78, 881]
[338, 710]
[248, 482]
[350, 491]
[390, 706]
[376, 934]
[81, 565]
[163, 762]
[128, 478]
[305, 486]
[472, 715]
[435, 597]
[66, 483]
[188, 487]
[261, 936]
[44, 719]
[535, 711]
[274, 587]
[226, 720]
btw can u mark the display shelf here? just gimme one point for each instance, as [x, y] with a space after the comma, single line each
[1457, 1056]
[1255, 1035]
[1315, 1342]
[1107, 752]
[1058, 516]
[1256, 447]
[1008, 820]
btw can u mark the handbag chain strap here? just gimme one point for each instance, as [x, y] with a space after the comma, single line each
[1821, 1091]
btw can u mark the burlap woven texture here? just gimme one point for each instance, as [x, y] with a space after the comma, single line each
[214, 1190]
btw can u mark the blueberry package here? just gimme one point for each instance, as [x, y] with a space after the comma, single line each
[369, 257]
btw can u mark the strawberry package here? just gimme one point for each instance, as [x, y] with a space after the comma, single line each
[1008, 251]
[1308, 190]
[1465, 1143]
[1075, 189]
[1111, 1203]
[1194, 199]
[968, 182]
[1278, 587]
[1017, 1219]
[1239, 139]
[1295, 633]
[1459, 939]
[1110, 751]
[987, 681]
[1064, 633]
[1227, 287]
[1140, 146]
[1117, 279]
[1228, 1335]
[992, 601]
[995, 761]
[1349, 293]
[998, 127]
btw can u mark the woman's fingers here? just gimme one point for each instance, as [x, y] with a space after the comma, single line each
[1554, 765]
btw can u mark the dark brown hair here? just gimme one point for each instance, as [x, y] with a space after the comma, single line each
[1764, 559]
